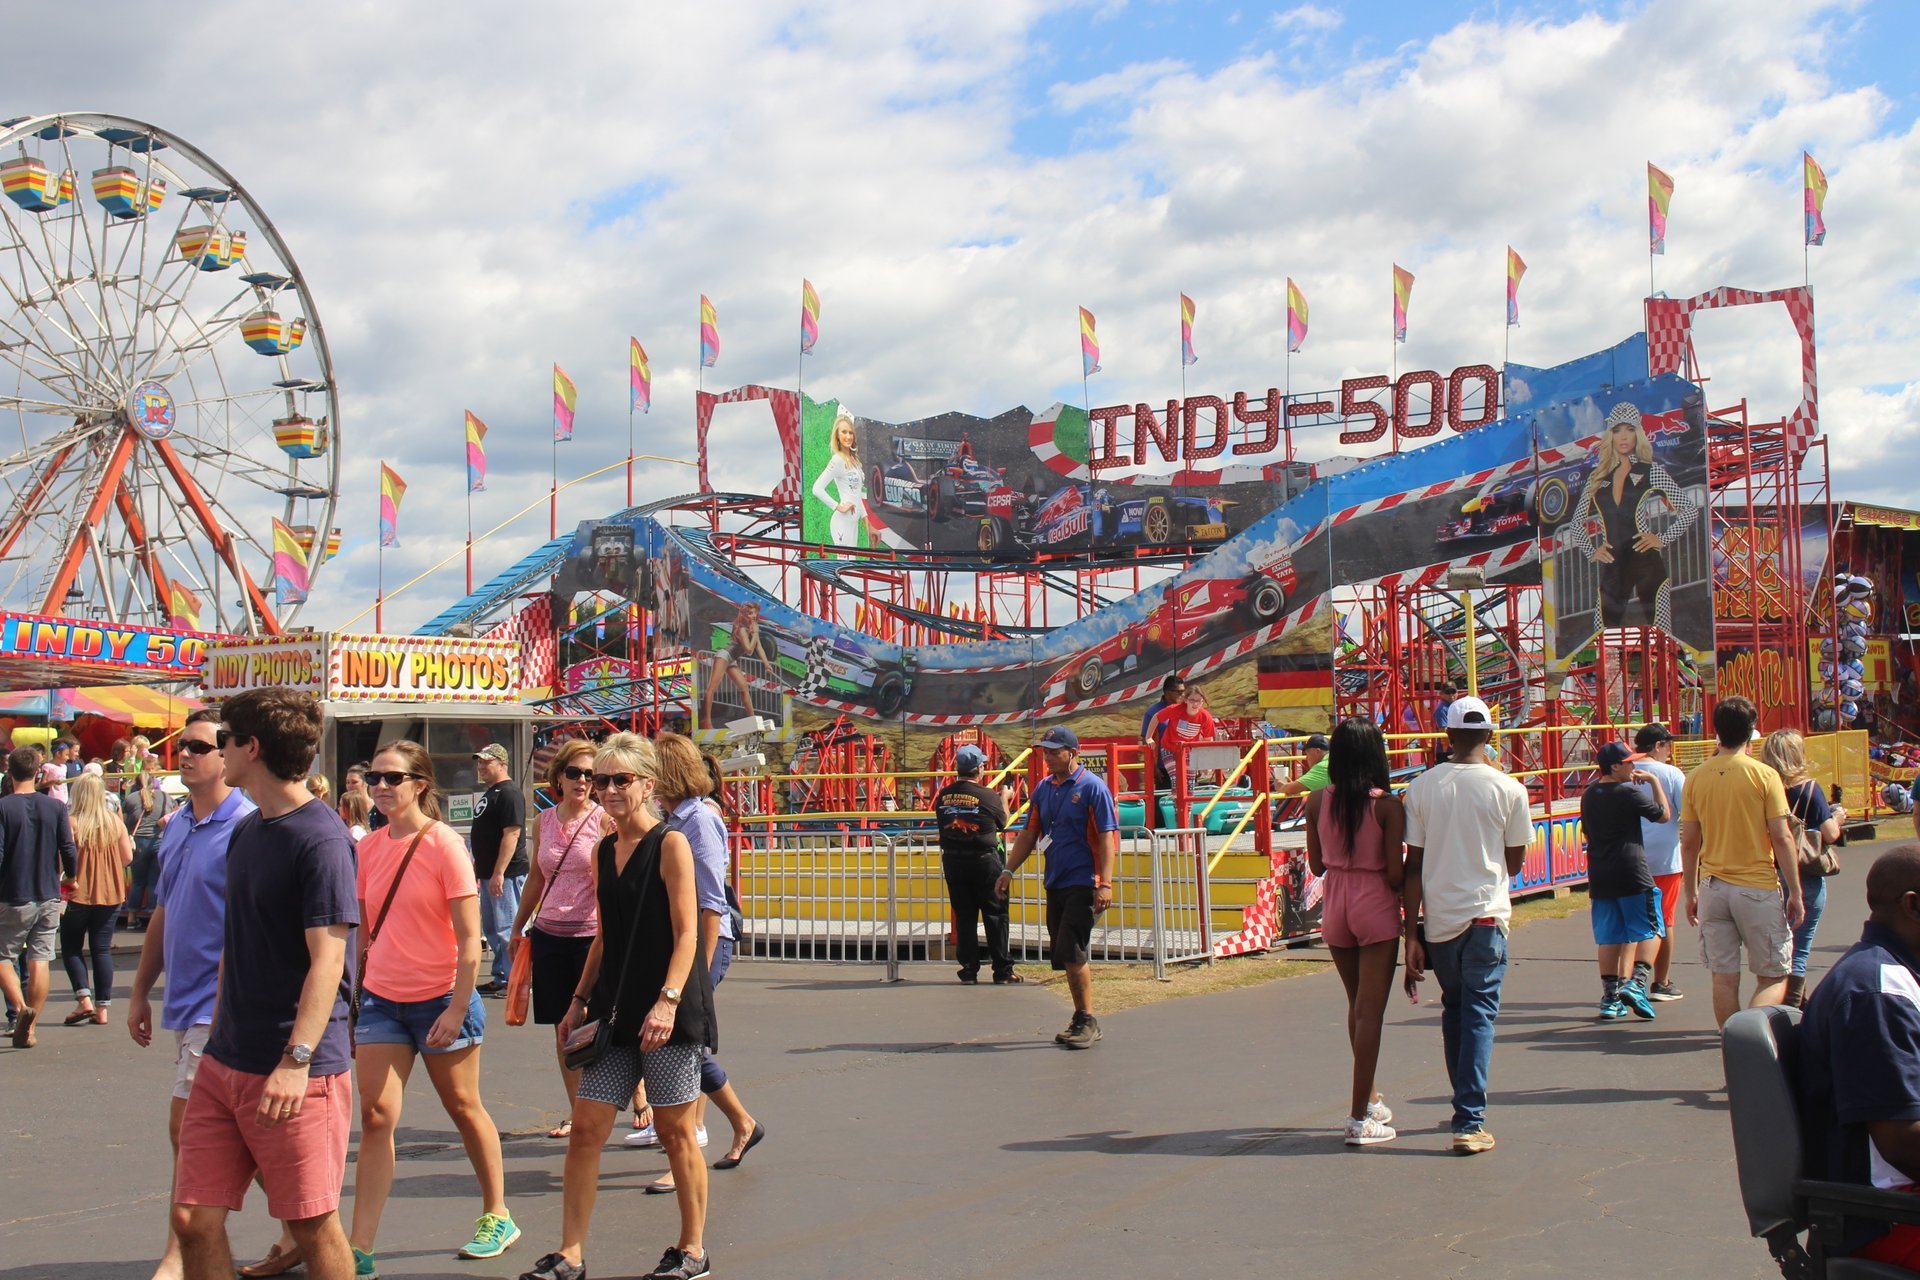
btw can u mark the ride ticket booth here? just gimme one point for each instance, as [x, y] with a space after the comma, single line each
[451, 695]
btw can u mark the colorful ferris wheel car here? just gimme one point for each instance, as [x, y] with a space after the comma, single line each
[831, 666]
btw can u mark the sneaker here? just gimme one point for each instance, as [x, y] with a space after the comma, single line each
[493, 988]
[1081, 1033]
[493, 1235]
[700, 1135]
[363, 1266]
[644, 1136]
[1378, 1110]
[1635, 998]
[1612, 1009]
[554, 1266]
[675, 1265]
[1366, 1131]
[1472, 1142]
[1664, 991]
[969, 977]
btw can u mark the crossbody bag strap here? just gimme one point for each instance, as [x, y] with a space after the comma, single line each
[373, 935]
[565, 851]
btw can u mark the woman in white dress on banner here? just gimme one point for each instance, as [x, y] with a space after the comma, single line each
[843, 471]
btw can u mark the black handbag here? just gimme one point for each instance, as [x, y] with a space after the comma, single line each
[591, 1040]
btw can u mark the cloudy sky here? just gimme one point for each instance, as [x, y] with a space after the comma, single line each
[473, 199]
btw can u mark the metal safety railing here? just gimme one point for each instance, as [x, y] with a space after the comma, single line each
[874, 898]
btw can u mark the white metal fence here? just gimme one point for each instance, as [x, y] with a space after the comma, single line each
[872, 898]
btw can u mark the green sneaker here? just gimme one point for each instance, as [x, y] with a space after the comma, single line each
[493, 1235]
[363, 1268]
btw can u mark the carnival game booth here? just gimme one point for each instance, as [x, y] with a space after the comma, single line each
[451, 695]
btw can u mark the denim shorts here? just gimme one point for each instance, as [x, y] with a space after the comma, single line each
[384, 1021]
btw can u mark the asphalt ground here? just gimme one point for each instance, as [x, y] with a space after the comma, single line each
[931, 1129]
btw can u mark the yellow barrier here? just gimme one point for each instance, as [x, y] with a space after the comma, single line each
[1221, 791]
[1259, 805]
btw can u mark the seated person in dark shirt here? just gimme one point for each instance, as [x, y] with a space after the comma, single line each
[1627, 920]
[1860, 1058]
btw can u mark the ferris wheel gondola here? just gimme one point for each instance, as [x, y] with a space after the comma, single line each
[165, 386]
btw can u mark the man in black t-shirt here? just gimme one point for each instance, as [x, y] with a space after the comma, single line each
[971, 818]
[1627, 921]
[499, 841]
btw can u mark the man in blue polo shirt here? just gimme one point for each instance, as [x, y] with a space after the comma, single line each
[1860, 1057]
[189, 920]
[1074, 810]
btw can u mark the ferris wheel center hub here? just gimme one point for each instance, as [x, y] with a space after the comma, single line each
[150, 410]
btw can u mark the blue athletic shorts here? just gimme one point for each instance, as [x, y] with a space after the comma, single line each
[1634, 919]
[384, 1021]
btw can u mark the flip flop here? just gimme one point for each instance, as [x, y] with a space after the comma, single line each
[734, 1162]
[562, 1130]
[23, 1029]
[77, 1017]
[664, 1187]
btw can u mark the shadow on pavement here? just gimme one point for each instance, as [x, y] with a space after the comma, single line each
[1214, 1142]
[931, 1046]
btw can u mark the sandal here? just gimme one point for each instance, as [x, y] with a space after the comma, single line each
[23, 1037]
[77, 1017]
[100, 1016]
[663, 1187]
[562, 1130]
[647, 1112]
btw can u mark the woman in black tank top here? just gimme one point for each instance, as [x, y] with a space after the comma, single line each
[646, 977]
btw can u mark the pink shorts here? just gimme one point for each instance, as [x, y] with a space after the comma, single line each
[1669, 887]
[301, 1161]
[1358, 908]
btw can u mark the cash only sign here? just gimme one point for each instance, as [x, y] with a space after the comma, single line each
[356, 668]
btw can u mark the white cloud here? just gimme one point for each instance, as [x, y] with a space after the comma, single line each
[474, 200]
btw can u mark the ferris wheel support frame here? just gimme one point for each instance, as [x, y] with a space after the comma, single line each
[31, 502]
[69, 569]
[261, 615]
[137, 529]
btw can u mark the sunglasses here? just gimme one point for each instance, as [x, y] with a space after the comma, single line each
[196, 748]
[617, 781]
[222, 737]
[577, 773]
[393, 778]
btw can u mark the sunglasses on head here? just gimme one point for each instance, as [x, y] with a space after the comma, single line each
[576, 773]
[388, 778]
[222, 737]
[616, 781]
[193, 747]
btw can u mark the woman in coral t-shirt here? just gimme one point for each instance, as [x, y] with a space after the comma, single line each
[418, 966]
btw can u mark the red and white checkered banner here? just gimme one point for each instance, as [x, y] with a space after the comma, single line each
[1670, 344]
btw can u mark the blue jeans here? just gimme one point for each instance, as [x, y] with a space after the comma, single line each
[1469, 969]
[496, 917]
[1813, 891]
[713, 1076]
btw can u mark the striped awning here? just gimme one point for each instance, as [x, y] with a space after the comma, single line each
[127, 703]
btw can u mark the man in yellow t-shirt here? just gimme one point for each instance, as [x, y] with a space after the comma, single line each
[1734, 838]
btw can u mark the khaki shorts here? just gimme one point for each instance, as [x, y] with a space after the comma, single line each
[29, 929]
[188, 1046]
[1733, 916]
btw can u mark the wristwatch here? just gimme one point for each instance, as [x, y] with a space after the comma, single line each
[670, 994]
[302, 1054]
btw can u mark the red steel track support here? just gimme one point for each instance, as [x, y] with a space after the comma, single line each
[35, 494]
[221, 539]
[96, 509]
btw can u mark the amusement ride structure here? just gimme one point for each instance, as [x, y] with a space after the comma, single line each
[164, 381]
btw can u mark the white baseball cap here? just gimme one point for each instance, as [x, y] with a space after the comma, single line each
[1469, 713]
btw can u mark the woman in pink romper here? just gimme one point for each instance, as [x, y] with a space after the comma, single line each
[1355, 830]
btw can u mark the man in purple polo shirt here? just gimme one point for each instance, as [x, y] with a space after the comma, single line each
[189, 921]
[1074, 810]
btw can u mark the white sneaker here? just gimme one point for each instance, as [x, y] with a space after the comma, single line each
[1367, 1131]
[700, 1135]
[1380, 1111]
[644, 1136]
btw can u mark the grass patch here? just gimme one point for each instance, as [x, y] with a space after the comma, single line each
[1549, 907]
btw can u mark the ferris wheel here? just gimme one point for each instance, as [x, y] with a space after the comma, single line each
[165, 387]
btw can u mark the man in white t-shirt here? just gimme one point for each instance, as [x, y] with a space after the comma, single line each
[1468, 829]
[1661, 840]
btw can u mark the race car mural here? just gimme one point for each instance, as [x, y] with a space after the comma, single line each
[1074, 513]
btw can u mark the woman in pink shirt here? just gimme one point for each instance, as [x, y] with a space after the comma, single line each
[1355, 830]
[419, 957]
[557, 917]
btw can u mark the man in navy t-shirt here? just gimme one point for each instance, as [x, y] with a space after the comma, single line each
[1860, 1057]
[273, 1094]
[1074, 810]
[1172, 690]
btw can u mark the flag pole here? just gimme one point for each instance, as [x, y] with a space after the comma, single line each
[553, 493]
[469, 521]
[1181, 307]
[1393, 347]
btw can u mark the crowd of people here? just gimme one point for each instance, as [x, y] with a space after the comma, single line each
[313, 951]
